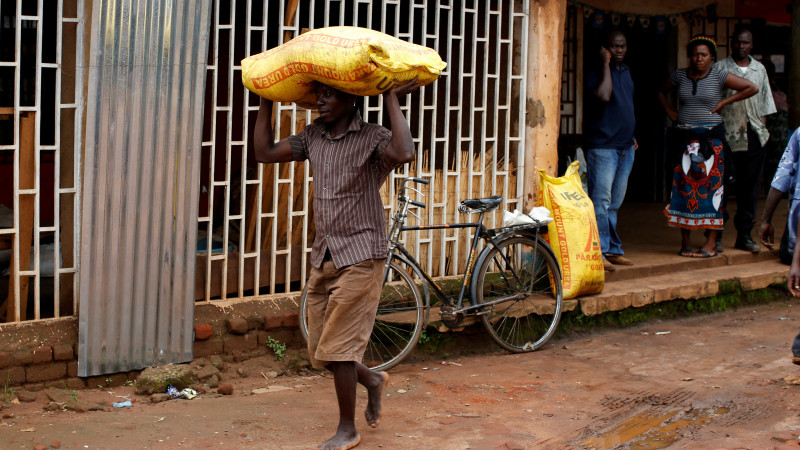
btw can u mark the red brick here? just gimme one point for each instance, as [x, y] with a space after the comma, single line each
[255, 322]
[202, 332]
[14, 376]
[237, 325]
[57, 384]
[45, 372]
[241, 343]
[117, 379]
[23, 357]
[291, 320]
[213, 346]
[96, 381]
[39, 447]
[42, 354]
[76, 383]
[262, 337]
[5, 359]
[63, 352]
[108, 380]
[72, 369]
[34, 387]
[273, 321]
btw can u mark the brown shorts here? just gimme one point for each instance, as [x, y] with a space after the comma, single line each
[342, 304]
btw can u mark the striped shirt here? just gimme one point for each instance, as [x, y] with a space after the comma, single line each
[698, 98]
[348, 172]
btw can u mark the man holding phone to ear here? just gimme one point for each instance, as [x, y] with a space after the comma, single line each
[610, 142]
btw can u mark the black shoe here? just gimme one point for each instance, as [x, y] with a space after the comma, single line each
[746, 243]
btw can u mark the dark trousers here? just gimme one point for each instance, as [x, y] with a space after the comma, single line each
[749, 166]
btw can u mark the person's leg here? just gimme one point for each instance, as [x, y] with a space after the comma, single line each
[344, 381]
[317, 304]
[376, 383]
[618, 188]
[601, 167]
[711, 241]
[749, 168]
[354, 293]
[686, 242]
[796, 348]
[783, 249]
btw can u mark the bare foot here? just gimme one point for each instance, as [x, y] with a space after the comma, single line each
[342, 441]
[374, 396]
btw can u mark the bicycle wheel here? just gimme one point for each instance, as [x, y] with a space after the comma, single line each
[398, 323]
[521, 282]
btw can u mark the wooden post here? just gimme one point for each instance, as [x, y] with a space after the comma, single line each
[546, 22]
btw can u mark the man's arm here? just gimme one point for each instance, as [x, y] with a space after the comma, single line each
[605, 88]
[400, 149]
[793, 279]
[765, 92]
[265, 147]
[767, 231]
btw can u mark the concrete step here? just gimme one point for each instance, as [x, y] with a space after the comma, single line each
[665, 263]
[689, 279]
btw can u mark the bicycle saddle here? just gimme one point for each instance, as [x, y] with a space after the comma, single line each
[481, 204]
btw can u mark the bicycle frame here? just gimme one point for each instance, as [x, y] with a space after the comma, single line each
[481, 233]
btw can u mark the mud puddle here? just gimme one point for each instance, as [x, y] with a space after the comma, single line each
[655, 428]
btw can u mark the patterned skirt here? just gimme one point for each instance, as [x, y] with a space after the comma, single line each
[697, 188]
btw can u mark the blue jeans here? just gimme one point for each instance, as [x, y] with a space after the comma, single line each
[607, 171]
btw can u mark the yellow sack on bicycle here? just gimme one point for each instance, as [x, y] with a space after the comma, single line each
[356, 60]
[573, 234]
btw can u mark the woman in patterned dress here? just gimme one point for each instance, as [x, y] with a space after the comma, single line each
[697, 183]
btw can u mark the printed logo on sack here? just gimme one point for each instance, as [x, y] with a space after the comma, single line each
[593, 243]
[573, 196]
[288, 70]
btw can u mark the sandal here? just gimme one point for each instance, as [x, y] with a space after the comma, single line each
[687, 253]
[704, 254]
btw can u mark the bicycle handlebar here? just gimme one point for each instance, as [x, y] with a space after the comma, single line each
[416, 180]
[416, 203]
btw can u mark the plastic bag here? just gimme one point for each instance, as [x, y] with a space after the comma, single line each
[356, 60]
[573, 234]
[516, 218]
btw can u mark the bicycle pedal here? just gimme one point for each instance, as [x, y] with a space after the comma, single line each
[449, 317]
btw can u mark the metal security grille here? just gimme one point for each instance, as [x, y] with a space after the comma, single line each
[256, 225]
[40, 141]
[572, 74]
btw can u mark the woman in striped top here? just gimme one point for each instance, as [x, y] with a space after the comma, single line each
[697, 183]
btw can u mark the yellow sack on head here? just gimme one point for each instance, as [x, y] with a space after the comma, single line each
[573, 234]
[355, 60]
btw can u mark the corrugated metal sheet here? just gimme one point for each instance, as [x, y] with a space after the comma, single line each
[144, 117]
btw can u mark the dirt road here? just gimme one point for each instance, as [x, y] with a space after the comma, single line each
[703, 382]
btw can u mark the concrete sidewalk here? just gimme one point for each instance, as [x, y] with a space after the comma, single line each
[660, 274]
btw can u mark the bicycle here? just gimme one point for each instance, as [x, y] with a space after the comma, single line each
[514, 286]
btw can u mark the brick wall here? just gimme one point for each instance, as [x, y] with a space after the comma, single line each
[43, 354]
